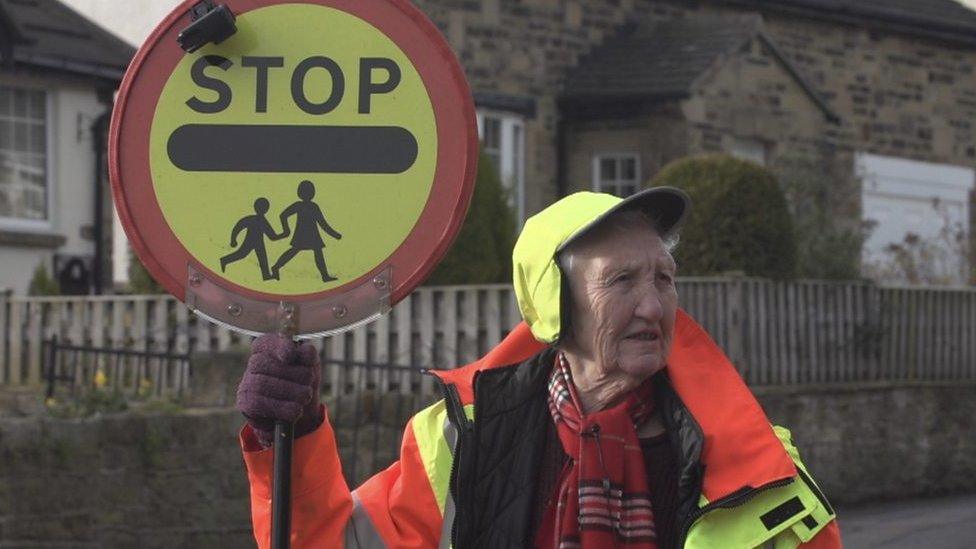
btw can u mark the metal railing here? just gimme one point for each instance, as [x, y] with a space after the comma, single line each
[134, 373]
[776, 333]
[368, 406]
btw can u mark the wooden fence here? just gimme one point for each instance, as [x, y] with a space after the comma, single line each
[777, 333]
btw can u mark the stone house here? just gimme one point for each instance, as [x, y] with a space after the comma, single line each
[599, 94]
[58, 72]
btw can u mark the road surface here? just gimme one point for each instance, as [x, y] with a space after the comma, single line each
[942, 523]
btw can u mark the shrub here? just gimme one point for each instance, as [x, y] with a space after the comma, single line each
[482, 252]
[942, 259]
[739, 219]
[827, 248]
[42, 283]
[140, 281]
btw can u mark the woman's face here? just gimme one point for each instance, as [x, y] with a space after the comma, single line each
[624, 303]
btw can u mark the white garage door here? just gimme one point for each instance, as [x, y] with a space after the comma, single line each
[909, 197]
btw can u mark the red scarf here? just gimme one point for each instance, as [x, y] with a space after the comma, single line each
[602, 499]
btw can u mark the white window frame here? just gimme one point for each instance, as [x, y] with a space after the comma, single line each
[748, 148]
[43, 225]
[511, 156]
[597, 183]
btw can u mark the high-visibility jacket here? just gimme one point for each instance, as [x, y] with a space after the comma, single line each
[466, 474]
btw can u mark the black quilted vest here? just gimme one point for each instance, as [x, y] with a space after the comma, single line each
[498, 456]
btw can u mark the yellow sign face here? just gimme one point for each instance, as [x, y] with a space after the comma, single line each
[297, 155]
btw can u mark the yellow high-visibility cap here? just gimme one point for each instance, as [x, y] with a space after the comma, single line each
[537, 277]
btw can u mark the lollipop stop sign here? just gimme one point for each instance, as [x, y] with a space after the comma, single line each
[302, 164]
[293, 167]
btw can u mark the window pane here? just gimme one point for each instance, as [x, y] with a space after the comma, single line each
[6, 207]
[493, 133]
[608, 169]
[20, 136]
[629, 169]
[23, 153]
[20, 102]
[748, 149]
[37, 139]
[6, 170]
[38, 106]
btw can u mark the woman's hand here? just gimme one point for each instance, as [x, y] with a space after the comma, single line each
[281, 382]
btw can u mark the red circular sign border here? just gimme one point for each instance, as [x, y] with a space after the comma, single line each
[444, 211]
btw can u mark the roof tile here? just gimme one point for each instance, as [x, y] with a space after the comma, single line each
[56, 33]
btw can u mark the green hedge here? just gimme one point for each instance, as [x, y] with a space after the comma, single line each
[482, 252]
[739, 219]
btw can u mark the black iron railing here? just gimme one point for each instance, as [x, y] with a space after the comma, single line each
[141, 373]
[368, 406]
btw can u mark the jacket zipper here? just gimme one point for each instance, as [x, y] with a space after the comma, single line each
[456, 415]
[728, 502]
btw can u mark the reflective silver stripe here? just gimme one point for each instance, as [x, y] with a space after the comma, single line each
[451, 436]
[360, 532]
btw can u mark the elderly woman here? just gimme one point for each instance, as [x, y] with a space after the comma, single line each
[608, 418]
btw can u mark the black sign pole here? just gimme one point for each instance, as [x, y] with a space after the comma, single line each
[284, 437]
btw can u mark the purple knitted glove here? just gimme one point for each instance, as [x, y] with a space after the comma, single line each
[281, 381]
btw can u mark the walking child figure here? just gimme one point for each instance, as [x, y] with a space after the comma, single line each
[256, 228]
[309, 220]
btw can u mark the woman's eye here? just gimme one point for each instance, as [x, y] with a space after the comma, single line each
[664, 277]
[620, 279]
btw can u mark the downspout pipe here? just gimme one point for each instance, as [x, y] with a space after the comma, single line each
[99, 129]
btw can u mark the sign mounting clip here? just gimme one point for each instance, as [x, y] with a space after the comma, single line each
[210, 24]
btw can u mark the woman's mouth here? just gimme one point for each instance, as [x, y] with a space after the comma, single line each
[644, 336]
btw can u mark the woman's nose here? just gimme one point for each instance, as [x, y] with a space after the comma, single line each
[649, 306]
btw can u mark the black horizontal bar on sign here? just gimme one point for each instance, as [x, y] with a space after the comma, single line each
[292, 148]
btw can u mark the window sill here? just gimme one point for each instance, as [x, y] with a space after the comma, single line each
[24, 239]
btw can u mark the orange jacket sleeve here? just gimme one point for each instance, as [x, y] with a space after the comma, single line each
[394, 508]
[321, 503]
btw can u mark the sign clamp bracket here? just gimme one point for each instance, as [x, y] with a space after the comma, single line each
[330, 315]
[209, 24]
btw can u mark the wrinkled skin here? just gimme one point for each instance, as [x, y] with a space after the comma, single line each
[623, 314]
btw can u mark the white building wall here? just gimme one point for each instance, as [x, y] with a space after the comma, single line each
[76, 109]
[924, 199]
[72, 107]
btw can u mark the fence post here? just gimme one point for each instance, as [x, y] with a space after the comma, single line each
[52, 362]
[4, 333]
[736, 318]
[35, 335]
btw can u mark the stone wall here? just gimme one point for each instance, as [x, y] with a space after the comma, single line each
[658, 136]
[882, 443]
[896, 94]
[525, 49]
[178, 480]
[159, 480]
[123, 481]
